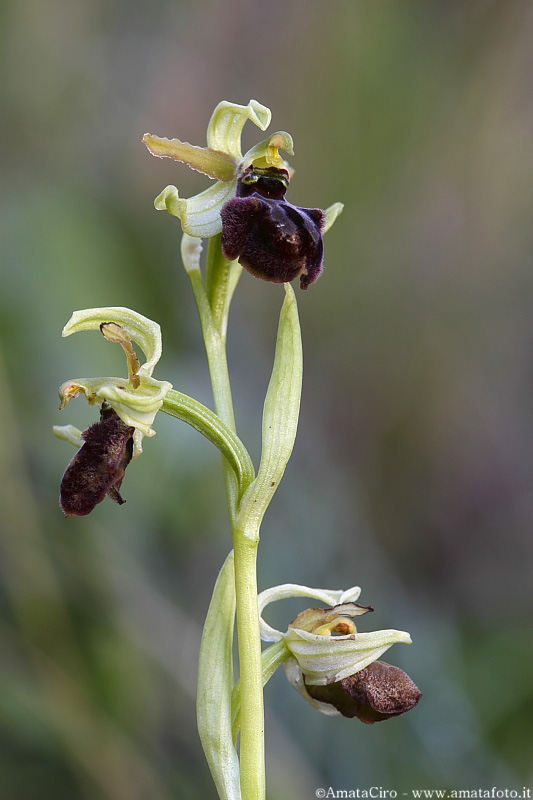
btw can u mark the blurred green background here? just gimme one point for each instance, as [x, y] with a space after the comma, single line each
[412, 469]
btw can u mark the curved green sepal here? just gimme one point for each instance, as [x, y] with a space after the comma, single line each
[280, 415]
[332, 597]
[215, 683]
[327, 659]
[199, 215]
[227, 121]
[211, 426]
[145, 332]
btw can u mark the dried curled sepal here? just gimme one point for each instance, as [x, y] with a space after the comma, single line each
[378, 692]
[141, 330]
[271, 238]
[98, 467]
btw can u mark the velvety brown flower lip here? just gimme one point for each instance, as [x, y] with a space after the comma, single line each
[271, 238]
[98, 467]
[376, 693]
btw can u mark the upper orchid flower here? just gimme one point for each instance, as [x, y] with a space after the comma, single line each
[128, 409]
[272, 239]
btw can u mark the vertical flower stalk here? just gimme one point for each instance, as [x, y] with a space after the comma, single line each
[249, 224]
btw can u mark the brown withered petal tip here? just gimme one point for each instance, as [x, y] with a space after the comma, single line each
[98, 467]
[378, 692]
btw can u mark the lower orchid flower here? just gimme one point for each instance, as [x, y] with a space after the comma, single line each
[333, 666]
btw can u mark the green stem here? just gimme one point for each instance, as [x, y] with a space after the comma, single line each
[252, 749]
[213, 307]
[215, 347]
[271, 658]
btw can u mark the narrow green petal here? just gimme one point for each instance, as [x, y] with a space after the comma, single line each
[203, 159]
[145, 332]
[199, 215]
[226, 124]
[215, 683]
[69, 434]
[331, 215]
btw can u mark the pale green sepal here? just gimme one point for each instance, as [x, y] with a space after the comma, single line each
[332, 597]
[203, 159]
[215, 682]
[327, 659]
[271, 658]
[145, 332]
[227, 121]
[211, 426]
[332, 213]
[199, 215]
[68, 433]
[294, 675]
[280, 415]
[191, 251]
[267, 152]
[135, 407]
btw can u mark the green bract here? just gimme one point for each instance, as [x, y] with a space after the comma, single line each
[222, 159]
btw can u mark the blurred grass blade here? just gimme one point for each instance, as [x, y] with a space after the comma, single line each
[280, 414]
[215, 685]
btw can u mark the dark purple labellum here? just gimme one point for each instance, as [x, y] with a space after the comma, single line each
[378, 692]
[272, 239]
[98, 467]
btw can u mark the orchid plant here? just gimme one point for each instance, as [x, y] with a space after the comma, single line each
[249, 224]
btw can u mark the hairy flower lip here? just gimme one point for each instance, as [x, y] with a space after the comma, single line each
[98, 467]
[376, 693]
